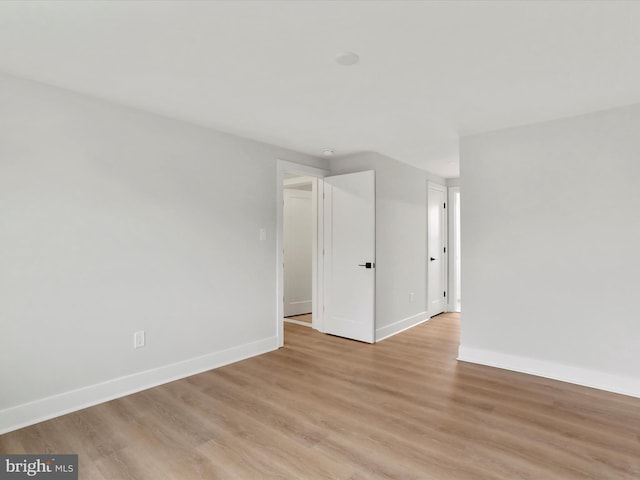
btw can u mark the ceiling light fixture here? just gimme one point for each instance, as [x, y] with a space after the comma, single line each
[347, 59]
[327, 152]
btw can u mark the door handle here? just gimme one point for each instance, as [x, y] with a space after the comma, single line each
[367, 265]
[432, 259]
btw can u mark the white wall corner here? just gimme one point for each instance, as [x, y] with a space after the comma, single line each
[37, 411]
[400, 326]
[556, 371]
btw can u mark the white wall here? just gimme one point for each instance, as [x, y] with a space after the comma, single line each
[297, 238]
[401, 238]
[550, 249]
[113, 220]
[453, 182]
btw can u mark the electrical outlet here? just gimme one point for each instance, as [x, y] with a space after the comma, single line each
[411, 295]
[138, 339]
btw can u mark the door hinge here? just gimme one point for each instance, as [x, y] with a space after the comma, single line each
[445, 249]
[445, 294]
[445, 205]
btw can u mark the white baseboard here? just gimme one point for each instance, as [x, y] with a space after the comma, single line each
[298, 308]
[556, 371]
[400, 326]
[44, 409]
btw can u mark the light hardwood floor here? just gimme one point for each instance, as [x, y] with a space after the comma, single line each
[306, 319]
[325, 407]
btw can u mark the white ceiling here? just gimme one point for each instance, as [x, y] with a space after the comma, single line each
[429, 71]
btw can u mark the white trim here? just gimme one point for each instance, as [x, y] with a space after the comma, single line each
[454, 224]
[556, 371]
[318, 257]
[400, 326]
[317, 292]
[37, 411]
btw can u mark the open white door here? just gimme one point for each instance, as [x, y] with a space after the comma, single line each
[436, 248]
[349, 256]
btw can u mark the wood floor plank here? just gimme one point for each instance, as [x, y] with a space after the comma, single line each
[324, 407]
[337, 403]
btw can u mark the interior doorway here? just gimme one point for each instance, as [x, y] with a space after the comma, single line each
[342, 252]
[290, 173]
[298, 192]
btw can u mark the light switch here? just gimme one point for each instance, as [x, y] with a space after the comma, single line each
[138, 339]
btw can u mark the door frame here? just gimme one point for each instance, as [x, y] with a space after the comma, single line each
[453, 294]
[317, 270]
[445, 244]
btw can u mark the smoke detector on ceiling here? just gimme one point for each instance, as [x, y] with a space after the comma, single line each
[327, 152]
[347, 59]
